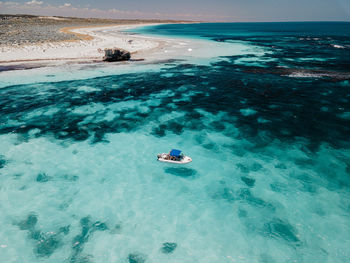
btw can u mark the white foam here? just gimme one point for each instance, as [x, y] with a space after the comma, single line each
[338, 46]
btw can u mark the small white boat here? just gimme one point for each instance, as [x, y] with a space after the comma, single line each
[174, 156]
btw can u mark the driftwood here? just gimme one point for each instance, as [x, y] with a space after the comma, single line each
[116, 54]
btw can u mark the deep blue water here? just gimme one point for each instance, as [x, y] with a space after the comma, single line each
[267, 129]
[273, 29]
[325, 45]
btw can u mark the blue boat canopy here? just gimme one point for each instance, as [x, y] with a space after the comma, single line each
[175, 153]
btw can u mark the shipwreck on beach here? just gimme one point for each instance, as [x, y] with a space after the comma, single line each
[116, 54]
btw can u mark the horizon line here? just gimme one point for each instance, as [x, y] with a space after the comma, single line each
[177, 20]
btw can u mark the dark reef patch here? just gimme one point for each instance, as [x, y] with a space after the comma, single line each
[254, 167]
[281, 166]
[159, 131]
[2, 161]
[71, 178]
[218, 126]
[64, 229]
[168, 247]
[242, 213]
[246, 195]
[87, 229]
[28, 223]
[136, 258]
[81, 259]
[243, 168]
[43, 178]
[45, 243]
[278, 187]
[248, 181]
[307, 183]
[277, 228]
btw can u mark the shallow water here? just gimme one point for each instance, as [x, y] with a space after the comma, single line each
[269, 181]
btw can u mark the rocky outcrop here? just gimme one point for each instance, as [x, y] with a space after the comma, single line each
[116, 54]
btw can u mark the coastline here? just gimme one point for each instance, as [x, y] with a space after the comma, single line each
[89, 48]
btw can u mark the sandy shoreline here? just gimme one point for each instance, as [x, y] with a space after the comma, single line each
[151, 48]
[89, 48]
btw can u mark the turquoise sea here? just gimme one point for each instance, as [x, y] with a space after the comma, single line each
[263, 109]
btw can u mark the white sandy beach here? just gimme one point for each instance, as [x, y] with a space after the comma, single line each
[146, 47]
[103, 37]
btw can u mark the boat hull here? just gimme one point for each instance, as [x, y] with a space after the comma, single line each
[184, 160]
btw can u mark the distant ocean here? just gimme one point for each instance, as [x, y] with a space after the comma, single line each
[266, 122]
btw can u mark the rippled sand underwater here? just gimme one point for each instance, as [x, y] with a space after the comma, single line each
[269, 181]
